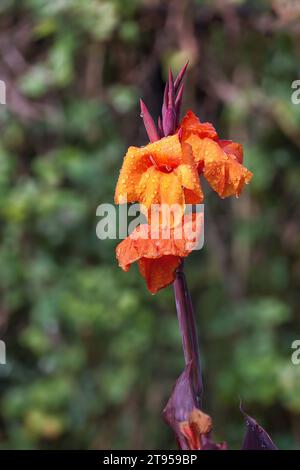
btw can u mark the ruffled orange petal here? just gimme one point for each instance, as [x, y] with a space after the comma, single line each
[234, 149]
[198, 425]
[157, 189]
[226, 176]
[149, 175]
[164, 155]
[135, 164]
[142, 243]
[150, 243]
[166, 152]
[175, 188]
[170, 189]
[204, 150]
[190, 124]
[189, 179]
[160, 272]
[197, 432]
[219, 161]
[148, 188]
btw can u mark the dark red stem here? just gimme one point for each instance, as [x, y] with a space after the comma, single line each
[188, 330]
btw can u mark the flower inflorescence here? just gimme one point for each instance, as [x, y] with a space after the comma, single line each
[167, 171]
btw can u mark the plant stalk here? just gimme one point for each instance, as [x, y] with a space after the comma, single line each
[188, 330]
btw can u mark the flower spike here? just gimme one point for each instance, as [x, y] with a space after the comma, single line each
[164, 174]
[169, 117]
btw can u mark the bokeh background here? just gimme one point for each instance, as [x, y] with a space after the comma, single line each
[91, 355]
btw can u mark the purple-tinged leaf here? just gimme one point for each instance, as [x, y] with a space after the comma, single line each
[168, 109]
[166, 94]
[180, 77]
[165, 101]
[160, 127]
[169, 122]
[171, 91]
[178, 102]
[180, 405]
[256, 438]
[208, 444]
[191, 426]
[149, 123]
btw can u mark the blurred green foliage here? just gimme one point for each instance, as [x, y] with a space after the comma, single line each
[92, 357]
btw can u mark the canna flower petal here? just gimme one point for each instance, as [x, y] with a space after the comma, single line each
[226, 176]
[188, 175]
[159, 251]
[159, 272]
[234, 149]
[220, 161]
[190, 125]
[156, 187]
[134, 166]
[205, 151]
[197, 430]
[162, 172]
[147, 188]
[165, 152]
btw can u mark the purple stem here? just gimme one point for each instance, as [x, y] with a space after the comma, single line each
[188, 330]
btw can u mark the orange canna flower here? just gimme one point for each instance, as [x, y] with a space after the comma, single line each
[162, 172]
[164, 176]
[220, 161]
[197, 431]
[159, 253]
[197, 425]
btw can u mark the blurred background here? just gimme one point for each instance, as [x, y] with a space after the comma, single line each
[91, 355]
